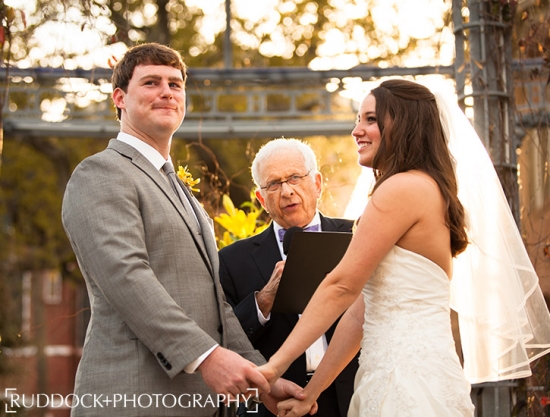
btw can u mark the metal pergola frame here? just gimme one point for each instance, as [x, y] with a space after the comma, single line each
[207, 86]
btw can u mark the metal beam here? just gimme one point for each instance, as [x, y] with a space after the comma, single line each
[242, 75]
[190, 129]
[222, 103]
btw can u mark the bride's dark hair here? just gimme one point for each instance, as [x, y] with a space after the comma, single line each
[412, 138]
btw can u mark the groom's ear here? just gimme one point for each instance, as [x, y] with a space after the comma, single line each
[118, 97]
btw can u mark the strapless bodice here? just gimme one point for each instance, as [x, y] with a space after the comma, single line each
[408, 364]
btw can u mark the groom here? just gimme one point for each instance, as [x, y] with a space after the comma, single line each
[161, 340]
[288, 187]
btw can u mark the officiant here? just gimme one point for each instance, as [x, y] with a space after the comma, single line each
[288, 186]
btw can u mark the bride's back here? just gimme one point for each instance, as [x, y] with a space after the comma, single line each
[429, 236]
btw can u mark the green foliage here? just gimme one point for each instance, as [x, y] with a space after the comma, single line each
[31, 186]
[33, 204]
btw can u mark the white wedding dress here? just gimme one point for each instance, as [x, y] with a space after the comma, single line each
[408, 364]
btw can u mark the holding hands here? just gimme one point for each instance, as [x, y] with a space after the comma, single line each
[286, 398]
[229, 374]
[296, 408]
[283, 390]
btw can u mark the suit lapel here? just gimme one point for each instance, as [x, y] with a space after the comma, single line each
[267, 254]
[158, 178]
[203, 237]
[329, 224]
[206, 229]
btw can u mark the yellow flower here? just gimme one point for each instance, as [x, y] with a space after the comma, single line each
[226, 240]
[187, 178]
[238, 224]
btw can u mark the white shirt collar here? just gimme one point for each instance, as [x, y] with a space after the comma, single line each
[150, 153]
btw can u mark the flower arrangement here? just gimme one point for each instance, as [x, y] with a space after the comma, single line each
[187, 178]
[237, 223]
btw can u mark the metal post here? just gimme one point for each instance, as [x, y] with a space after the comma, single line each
[489, 71]
[460, 62]
[228, 47]
[489, 74]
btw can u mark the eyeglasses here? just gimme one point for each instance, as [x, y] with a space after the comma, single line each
[292, 180]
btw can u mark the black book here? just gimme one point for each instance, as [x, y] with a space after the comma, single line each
[311, 256]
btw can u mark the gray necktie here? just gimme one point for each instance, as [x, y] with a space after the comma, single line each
[168, 169]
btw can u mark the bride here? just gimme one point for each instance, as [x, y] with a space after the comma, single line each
[393, 285]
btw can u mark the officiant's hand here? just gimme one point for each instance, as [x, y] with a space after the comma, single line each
[266, 296]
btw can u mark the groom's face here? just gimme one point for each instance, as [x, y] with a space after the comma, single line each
[154, 103]
[289, 205]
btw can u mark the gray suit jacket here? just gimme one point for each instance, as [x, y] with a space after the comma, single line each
[154, 290]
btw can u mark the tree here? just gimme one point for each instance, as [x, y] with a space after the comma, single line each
[7, 18]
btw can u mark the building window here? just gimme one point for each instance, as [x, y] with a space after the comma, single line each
[53, 288]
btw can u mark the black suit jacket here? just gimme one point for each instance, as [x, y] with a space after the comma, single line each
[245, 267]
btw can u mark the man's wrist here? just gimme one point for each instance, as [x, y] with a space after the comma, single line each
[192, 367]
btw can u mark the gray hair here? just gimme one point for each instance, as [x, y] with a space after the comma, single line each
[281, 145]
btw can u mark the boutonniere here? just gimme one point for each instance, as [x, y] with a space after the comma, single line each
[187, 178]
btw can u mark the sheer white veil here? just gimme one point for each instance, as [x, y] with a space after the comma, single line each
[503, 318]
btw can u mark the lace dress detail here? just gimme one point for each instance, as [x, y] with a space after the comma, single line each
[408, 364]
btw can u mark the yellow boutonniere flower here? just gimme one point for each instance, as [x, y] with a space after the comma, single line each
[187, 178]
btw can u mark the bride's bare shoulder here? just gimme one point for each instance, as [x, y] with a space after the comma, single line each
[413, 184]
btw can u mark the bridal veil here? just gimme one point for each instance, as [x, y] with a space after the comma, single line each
[503, 318]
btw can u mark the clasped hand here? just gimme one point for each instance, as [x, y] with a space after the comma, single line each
[230, 375]
[290, 399]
